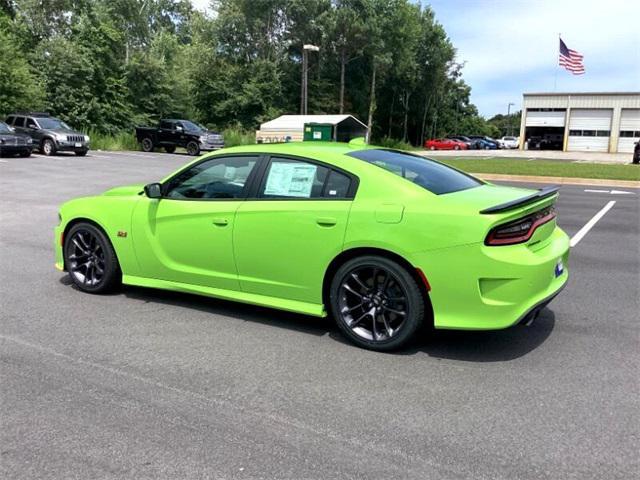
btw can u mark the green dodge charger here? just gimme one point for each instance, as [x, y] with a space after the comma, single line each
[382, 240]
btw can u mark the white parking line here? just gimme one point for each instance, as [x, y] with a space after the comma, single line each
[612, 192]
[589, 225]
[4, 161]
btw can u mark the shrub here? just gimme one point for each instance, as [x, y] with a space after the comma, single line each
[237, 136]
[122, 140]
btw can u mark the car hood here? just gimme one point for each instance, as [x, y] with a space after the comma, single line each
[10, 136]
[201, 132]
[63, 131]
[127, 190]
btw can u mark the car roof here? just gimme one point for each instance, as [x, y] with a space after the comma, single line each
[303, 148]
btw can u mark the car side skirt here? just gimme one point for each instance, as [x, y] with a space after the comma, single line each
[316, 310]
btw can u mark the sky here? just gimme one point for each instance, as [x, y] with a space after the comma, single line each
[511, 46]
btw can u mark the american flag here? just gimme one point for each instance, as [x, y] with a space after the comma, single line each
[570, 59]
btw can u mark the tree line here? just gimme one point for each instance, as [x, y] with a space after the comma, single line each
[108, 65]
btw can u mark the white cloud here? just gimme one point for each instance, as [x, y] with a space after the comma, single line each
[512, 46]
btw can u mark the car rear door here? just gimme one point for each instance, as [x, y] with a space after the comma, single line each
[166, 133]
[288, 233]
[186, 236]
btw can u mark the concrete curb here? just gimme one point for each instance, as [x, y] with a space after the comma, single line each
[559, 180]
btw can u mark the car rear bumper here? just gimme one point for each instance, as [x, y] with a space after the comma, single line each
[477, 287]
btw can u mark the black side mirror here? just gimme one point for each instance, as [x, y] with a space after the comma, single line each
[153, 190]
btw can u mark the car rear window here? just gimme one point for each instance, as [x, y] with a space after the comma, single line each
[429, 174]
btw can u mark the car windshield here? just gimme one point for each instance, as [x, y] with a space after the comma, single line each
[429, 174]
[52, 123]
[4, 128]
[510, 139]
[192, 126]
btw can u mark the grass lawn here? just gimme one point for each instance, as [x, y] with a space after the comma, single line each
[546, 168]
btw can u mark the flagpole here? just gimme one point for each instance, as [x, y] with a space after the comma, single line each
[555, 76]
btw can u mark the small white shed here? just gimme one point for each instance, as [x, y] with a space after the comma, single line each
[290, 128]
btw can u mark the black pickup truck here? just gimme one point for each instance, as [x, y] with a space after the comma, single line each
[172, 133]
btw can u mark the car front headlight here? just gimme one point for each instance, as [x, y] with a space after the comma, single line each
[87, 138]
[29, 140]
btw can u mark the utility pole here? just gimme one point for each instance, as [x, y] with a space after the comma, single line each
[304, 94]
[508, 118]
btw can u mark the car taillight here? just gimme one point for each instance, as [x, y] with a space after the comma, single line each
[520, 230]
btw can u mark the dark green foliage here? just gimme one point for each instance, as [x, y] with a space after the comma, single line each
[107, 65]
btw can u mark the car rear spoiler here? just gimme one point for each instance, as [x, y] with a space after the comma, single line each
[534, 197]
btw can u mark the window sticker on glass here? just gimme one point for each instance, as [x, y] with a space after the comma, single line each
[317, 135]
[229, 172]
[290, 179]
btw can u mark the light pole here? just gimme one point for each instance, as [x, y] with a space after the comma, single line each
[304, 94]
[509, 119]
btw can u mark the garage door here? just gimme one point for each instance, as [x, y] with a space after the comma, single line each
[545, 118]
[629, 129]
[589, 130]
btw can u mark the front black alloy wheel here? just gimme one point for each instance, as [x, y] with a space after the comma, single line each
[193, 148]
[376, 303]
[48, 147]
[90, 259]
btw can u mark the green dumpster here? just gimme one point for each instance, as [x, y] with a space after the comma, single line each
[318, 132]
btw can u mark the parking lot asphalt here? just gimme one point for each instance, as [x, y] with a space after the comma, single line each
[150, 384]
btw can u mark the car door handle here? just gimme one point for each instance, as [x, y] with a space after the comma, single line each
[326, 221]
[221, 222]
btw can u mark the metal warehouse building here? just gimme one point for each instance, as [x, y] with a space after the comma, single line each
[580, 122]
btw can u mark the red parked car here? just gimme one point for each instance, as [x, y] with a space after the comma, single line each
[445, 144]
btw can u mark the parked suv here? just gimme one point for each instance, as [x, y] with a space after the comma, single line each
[49, 134]
[172, 133]
[13, 143]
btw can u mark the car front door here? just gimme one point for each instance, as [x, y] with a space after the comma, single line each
[33, 130]
[286, 236]
[186, 236]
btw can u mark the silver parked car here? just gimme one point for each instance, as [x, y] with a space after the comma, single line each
[49, 134]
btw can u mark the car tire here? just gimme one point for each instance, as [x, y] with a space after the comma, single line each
[487, 147]
[170, 149]
[456, 147]
[48, 147]
[147, 145]
[432, 148]
[193, 149]
[81, 153]
[391, 304]
[90, 259]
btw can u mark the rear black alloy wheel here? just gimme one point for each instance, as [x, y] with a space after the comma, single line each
[147, 144]
[90, 259]
[376, 303]
[193, 148]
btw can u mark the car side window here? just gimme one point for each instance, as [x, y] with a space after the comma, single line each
[19, 122]
[30, 123]
[217, 178]
[337, 185]
[289, 178]
[10, 120]
[166, 125]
